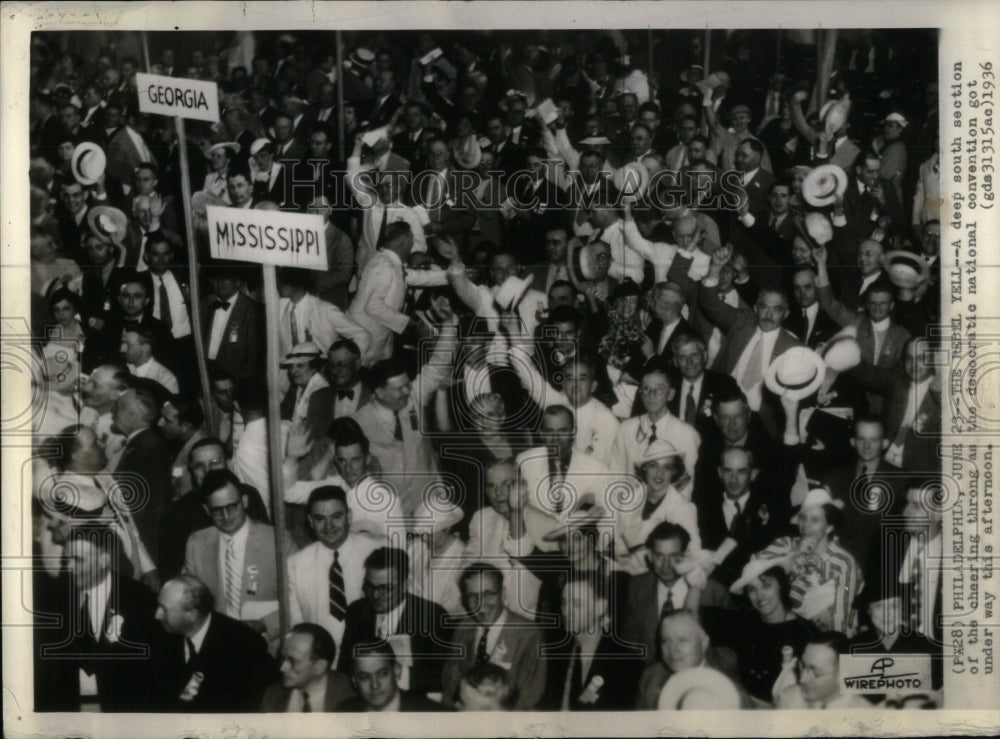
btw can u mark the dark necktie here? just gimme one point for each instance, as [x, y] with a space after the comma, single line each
[397, 432]
[338, 600]
[165, 316]
[481, 654]
[85, 628]
[306, 708]
[668, 604]
[736, 516]
[690, 408]
[345, 395]
[295, 328]
[382, 225]
[652, 431]
[221, 305]
[192, 652]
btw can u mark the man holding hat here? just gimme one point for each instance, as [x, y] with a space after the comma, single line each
[309, 399]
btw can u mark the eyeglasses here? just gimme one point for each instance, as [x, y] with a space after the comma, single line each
[655, 392]
[224, 510]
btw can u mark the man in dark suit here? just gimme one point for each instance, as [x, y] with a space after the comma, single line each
[232, 325]
[698, 389]
[407, 142]
[756, 181]
[343, 371]
[740, 514]
[496, 635]
[287, 148]
[811, 325]
[386, 103]
[208, 662]
[611, 679]
[134, 310]
[389, 612]
[308, 684]
[868, 195]
[143, 470]
[106, 631]
[660, 591]
[668, 323]
[71, 215]
[376, 674]
[440, 196]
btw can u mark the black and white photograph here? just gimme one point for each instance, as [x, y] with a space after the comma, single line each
[538, 370]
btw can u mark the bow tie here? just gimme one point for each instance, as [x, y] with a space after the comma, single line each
[221, 305]
[345, 395]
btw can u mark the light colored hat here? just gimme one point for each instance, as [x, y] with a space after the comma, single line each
[906, 269]
[107, 223]
[751, 571]
[579, 519]
[468, 153]
[595, 141]
[361, 57]
[305, 350]
[632, 179]
[834, 114]
[427, 519]
[258, 144]
[896, 118]
[712, 81]
[842, 352]
[659, 449]
[87, 163]
[511, 96]
[583, 262]
[817, 497]
[818, 227]
[796, 374]
[222, 146]
[824, 184]
[714, 687]
[511, 291]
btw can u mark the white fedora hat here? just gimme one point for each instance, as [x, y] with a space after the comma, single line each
[632, 179]
[822, 186]
[222, 146]
[818, 227]
[107, 223]
[305, 350]
[751, 571]
[511, 291]
[842, 352]
[834, 115]
[87, 163]
[817, 497]
[796, 374]
[259, 144]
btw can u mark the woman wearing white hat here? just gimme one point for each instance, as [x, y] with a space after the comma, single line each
[220, 156]
[825, 576]
[891, 148]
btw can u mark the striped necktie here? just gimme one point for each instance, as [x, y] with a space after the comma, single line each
[338, 600]
[232, 581]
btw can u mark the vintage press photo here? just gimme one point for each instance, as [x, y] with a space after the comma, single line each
[540, 368]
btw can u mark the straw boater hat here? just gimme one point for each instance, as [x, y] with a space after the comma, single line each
[834, 114]
[751, 571]
[906, 269]
[87, 163]
[595, 141]
[632, 179]
[822, 186]
[817, 497]
[511, 291]
[362, 58]
[716, 689]
[796, 374]
[305, 350]
[842, 352]
[222, 146]
[108, 224]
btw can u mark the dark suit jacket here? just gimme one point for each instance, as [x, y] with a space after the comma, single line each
[235, 664]
[756, 190]
[111, 341]
[430, 638]
[642, 616]
[243, 357]
[144, 469]
[858, 209]
[379, 115]
[277, 191]
[713, 385]
[455, 219]
[653, 332]
[338, 690]
[823, 327]
[122, 668]
[617, 663]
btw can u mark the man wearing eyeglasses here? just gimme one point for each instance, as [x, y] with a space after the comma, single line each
[326, 576]
[492, 634]
[635, 435]
[235, 556]
[416, 628]
[818, 684]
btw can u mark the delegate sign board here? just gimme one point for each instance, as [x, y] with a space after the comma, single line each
[267, 237]
[179, 97]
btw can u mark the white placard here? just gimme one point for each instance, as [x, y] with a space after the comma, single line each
[267, 237]
[177, 96]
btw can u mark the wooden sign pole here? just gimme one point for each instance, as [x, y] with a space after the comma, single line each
[274, 439]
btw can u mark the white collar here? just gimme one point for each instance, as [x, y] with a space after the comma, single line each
[882, 325]
[732, 502]
[751, 174]
[198, 638]
[239, 537]
[812, 310]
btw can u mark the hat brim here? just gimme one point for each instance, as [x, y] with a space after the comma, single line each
[906, 269]
[773, 384]
[119, 219]
[824, 184]
[99, 158]
[727, 696]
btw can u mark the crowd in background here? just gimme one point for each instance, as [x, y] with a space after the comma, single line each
[617, 392]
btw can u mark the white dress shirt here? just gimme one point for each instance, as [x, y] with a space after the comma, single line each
[729, 507]
[317, 697]
[768, 338]
[676, 592]
[198, 638]
[220, 317]
[153, 370]
[180, 323]
[317, 321]
[347, 406]
[811, 313]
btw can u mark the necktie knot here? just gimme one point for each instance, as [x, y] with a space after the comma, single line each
[306, 706]
[192, 652]
[221, 305]
[345, 395]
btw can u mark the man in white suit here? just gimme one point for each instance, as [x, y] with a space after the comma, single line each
[317, 592]
[392, 421]
[560, 479]
[378, 303]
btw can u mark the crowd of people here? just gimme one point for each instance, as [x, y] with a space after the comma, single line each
[616, 393]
